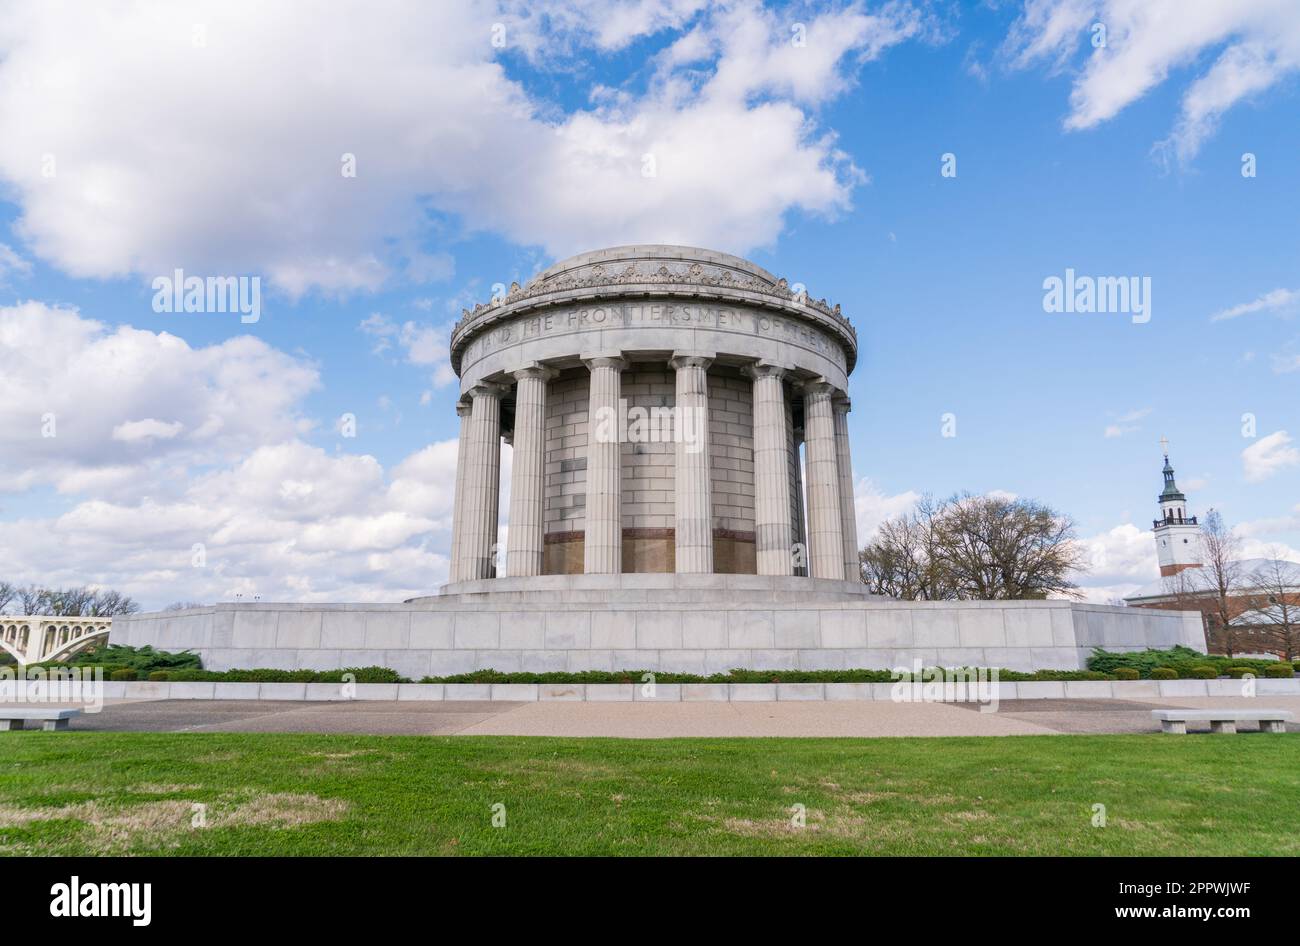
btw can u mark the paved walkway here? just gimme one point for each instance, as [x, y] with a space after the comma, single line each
[650, 720]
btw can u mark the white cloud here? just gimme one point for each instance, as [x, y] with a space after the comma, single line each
[80, 402]
[1269, 455]
[170, 153]
[1124, 554]
[1284, 364]
[1279, 300]
[1253, 46]
[422, 343]
[11, 264]
[1126, 423]
[873, 508]
[137, 431]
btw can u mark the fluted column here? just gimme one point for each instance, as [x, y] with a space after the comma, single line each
[772, 527]
[524, 540]
[800, 528]
[482, 484]
[458, 504]
[825, 534]
[693, 485]
[603, 543]
[848, 512]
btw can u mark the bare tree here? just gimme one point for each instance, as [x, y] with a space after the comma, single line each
[75, 602]
[1275, 604]
[900, 560]
[983, 547]
[106, 603]
[1222, 571]
[34, 600]
[7, 594]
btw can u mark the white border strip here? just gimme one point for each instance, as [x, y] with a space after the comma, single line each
[675, 692]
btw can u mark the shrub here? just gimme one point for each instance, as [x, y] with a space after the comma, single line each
[159, 676]
[1238, 672]
[1164, 673]
[1297, 666]
[1280, 672]
[123, 673]
[1202, 672]
[1126, 673]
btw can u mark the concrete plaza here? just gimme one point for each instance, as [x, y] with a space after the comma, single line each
[650, 720]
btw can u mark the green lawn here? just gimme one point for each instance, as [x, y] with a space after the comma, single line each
[90, 793]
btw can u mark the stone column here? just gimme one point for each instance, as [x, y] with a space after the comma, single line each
[693, 484]
[603, 543]
[482, 484]
[458, 505]
[825, 534]
[799, 530]
[524, 540]
[772, 527]
[848, 511]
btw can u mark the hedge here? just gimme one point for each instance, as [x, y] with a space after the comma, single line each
[1186, 662]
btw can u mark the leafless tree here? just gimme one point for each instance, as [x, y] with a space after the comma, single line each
[983, 547]
[7, 594]
[74, 602]
[1222, 570]
[1275, 604]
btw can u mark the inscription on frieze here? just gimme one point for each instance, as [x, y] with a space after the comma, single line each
[621, 315]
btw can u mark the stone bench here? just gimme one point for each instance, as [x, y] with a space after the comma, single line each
[13, 717]
[1221, 720]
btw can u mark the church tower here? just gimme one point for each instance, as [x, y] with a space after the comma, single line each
[1178, 537]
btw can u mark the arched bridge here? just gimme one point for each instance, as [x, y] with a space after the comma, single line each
[35, 638]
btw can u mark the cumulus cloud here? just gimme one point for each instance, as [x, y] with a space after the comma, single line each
[874, 507]
[1251, 47]
[142, 139]
[1119, 561]
[1269, 455]
[82, 403]
[288, 522]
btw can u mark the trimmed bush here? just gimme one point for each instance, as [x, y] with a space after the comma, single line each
[1238, 672]
[1126, 673]
[1280, 672]
[272, 675]
[1202, 672]
[159, 676]
[1164, 673]
[123, 673]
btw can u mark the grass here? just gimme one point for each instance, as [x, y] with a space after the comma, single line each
[133, 793]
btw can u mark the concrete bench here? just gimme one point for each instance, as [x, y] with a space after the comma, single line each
[1221, 720]
[13, 717]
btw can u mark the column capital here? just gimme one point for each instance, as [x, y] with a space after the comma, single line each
[818, 387]
[615, 361]
[534, 370]
[691, 359]
[488, 389]
[764, 369]
[841, 403]
[464, 408]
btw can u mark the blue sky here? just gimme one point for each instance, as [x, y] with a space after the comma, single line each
[209, 136]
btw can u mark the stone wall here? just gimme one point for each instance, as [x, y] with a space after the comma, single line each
[656, 622]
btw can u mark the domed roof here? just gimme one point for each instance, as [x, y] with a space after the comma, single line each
[654, 269]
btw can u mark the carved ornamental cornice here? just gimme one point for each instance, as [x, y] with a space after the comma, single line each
[641, 277]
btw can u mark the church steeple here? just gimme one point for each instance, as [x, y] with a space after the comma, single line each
[1178, 536]
[1171, 493]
